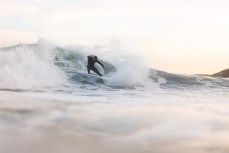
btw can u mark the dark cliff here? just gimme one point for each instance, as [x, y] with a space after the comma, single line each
[224, 74]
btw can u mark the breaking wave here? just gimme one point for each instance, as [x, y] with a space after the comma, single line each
[44, 65]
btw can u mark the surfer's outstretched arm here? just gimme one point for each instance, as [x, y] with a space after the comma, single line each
[100, 63]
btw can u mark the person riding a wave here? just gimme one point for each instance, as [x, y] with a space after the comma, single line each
[91, 64]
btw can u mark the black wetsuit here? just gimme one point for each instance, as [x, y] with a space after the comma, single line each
[91, 65]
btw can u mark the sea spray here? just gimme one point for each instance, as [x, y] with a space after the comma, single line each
[29, 67]
[131, 71]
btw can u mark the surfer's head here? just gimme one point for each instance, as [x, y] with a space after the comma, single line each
[95, 58]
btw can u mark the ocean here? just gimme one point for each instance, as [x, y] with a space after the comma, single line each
[46, 106]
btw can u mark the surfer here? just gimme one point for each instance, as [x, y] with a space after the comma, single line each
[91, 64]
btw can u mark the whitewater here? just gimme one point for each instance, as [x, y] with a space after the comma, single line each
[47, 106]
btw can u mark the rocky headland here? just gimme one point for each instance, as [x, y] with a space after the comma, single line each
[222, 74]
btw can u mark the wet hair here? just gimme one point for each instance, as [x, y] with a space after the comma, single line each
[96, 57]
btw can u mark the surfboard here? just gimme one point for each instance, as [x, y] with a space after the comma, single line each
[91, 78]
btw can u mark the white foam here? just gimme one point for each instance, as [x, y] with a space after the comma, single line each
[29, 67]
[130, 71]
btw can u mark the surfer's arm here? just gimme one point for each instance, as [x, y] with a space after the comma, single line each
[100, 63]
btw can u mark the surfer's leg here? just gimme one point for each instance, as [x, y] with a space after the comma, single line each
[88, 69]
[96, 71]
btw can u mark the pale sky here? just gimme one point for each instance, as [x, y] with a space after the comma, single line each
[180, 36]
